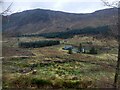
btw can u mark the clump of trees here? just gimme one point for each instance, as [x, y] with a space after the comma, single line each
[70, 51]
[38, 44]
[93, 51]
[80, 47]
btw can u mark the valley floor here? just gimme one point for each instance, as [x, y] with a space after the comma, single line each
[53, 67]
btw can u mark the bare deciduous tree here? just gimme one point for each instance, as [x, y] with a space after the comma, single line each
[116, 4]
[7, 9]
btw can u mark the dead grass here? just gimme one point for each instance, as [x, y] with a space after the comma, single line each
[59, 68]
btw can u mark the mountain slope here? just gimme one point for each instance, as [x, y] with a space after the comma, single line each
[47, 21]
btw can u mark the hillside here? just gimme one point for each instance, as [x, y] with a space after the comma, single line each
[57, 50]
[47, 21]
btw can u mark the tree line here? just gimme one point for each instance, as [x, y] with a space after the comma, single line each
[38, 44]
[81, 49]
[69, 34]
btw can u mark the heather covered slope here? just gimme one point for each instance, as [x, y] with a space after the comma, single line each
[47, 21]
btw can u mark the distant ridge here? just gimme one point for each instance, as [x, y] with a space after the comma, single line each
[39, 21]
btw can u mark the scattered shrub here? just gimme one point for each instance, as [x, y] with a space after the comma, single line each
[71, 84]
[22, 81]
[25, 81]
[93, 51]
[40, 82]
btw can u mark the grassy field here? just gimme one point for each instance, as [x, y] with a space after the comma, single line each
[53, 67]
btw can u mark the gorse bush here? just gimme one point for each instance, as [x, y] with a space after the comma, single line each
[40, 82]
[38, 44]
